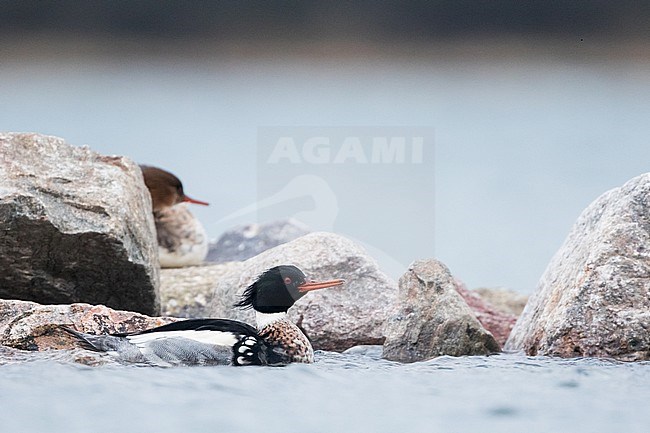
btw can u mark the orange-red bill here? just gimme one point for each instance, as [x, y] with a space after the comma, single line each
[191, 200]
[315, 285]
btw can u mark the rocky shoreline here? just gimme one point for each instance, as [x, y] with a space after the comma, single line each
[78, 255]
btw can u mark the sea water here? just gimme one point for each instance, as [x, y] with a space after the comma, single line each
[523, 141]
[46, 392]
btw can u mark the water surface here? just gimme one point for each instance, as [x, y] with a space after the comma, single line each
[340, 392]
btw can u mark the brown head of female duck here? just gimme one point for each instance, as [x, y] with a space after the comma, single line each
[166, 189]
[182, 240]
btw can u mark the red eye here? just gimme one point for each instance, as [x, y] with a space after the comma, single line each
[287, 280]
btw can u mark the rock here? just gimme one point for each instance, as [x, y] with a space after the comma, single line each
[187, 292]
[30, 326]
[246, 241]
[497, 322]
[593, 299]
[433, 319]
[504, 300]
[76, 226]
[334, 319]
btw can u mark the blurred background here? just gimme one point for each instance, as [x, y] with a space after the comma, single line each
[538, 107]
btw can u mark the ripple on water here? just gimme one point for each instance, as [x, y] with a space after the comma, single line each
[503, 411]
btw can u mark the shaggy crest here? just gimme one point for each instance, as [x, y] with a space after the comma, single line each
[276, 287]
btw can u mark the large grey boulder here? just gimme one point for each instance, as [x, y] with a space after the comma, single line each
[594, 297]
[246, 241]
[75, 226]
[432, 318]
[334, 319]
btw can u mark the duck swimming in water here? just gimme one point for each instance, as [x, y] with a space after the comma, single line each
[182, 240]
[276, 341]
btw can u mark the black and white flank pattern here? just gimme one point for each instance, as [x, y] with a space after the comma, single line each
[189, 342]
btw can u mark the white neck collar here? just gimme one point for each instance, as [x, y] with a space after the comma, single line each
[265, 319]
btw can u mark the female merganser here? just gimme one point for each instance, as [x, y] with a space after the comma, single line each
[277, 340]
[182, 240]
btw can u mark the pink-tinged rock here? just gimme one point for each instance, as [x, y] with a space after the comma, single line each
[497, 322]
[30, 326]
[75, 226]
[505, 300]
[594, 297]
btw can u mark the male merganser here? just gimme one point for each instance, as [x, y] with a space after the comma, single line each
[277, 340]
[182, 240]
